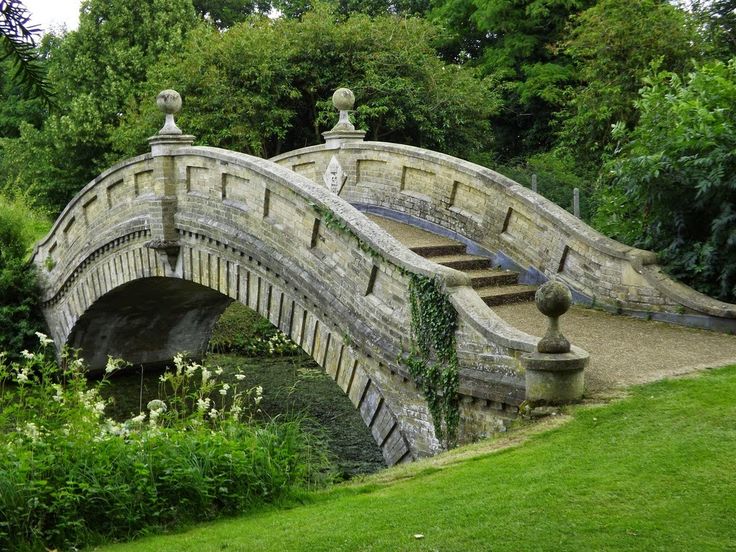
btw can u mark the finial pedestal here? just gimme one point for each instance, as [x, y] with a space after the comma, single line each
[554, 372]
[170, 137]
[344, 131]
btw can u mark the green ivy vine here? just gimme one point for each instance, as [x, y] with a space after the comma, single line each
[432, 361]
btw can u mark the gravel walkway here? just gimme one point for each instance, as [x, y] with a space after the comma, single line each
[624, 350]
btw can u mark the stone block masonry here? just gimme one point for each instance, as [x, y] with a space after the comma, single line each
[494, 214]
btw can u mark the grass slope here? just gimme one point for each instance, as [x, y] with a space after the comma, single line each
[655, 471]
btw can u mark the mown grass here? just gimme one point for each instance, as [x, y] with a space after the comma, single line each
[654, 471]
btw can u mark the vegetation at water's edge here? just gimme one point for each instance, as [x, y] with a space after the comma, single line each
[70, 476]
[651, 472]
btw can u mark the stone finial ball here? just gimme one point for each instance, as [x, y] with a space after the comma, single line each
[169, 101]
[343, 99]
[553, 299]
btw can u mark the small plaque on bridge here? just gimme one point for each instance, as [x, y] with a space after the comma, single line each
[334, 176]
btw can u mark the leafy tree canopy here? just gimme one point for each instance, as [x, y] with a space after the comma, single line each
[264, 86]
[613, 45]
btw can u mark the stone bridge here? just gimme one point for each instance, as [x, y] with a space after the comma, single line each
[145, 258]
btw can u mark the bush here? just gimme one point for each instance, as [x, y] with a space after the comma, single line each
[70, 477]
[242, 330]
[674, 177]
[557, 177]
[20, 314]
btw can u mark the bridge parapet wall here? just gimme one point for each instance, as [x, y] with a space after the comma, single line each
[495, 214]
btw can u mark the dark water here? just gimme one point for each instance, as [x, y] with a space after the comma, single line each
[292, 386]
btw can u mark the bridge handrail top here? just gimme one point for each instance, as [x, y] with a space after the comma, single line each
[536, 202]
[75, 200]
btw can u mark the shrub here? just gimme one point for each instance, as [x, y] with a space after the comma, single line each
[70, 477]
[242, 330]
[20, 315]
[675, 177]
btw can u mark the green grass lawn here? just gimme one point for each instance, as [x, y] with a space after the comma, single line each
[656, 471]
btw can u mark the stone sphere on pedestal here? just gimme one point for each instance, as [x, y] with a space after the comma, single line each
[343, 99]
[553, 299]
[169, 101]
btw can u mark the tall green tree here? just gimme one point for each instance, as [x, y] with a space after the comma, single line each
[264, 86]
[97, 71]
[515, 42]
[613, 45]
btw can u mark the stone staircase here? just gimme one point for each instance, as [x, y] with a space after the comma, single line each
[494, 285]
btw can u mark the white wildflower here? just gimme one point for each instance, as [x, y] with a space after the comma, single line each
[162, 378]
[179, 361]
[99, 408]
[59, 396]
[205, 375]
[218, 371]
[224, 389]
[44, 339]
[240, 377]
[203, 404]
[213, 413]
[22, 376]
[31, 431]
[27, 355]
[191, 369]
[112, 364]
[157, 405]
[139, 418]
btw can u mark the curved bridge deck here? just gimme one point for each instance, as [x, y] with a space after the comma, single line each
[624, 350]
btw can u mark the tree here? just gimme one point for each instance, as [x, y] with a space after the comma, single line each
[97, 71]
[673, 183]
[613, 45]
[515, 42]
[19, 48]
[264, 86]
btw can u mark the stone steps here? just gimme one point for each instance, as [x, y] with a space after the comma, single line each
[503, 295]
[495, 286]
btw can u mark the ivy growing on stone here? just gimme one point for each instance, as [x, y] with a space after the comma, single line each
[432, 361]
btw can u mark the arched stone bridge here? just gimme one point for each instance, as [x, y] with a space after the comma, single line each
[145, 258]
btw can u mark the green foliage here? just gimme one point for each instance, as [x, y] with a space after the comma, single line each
[96, 71]
[71, 477]
[613, 45]
[18, 47]
[557, 177]
[432, 361]
[515, 43]
[20, 314]
[718, 21]
[242, 330]
[264, 86]
[676, 172]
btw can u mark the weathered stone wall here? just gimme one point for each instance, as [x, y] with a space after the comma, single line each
[490, 211]
[299, 255]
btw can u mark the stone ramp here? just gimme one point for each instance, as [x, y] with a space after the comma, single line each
[625, 350]
[495, 286]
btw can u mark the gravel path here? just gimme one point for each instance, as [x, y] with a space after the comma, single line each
[624, 350]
